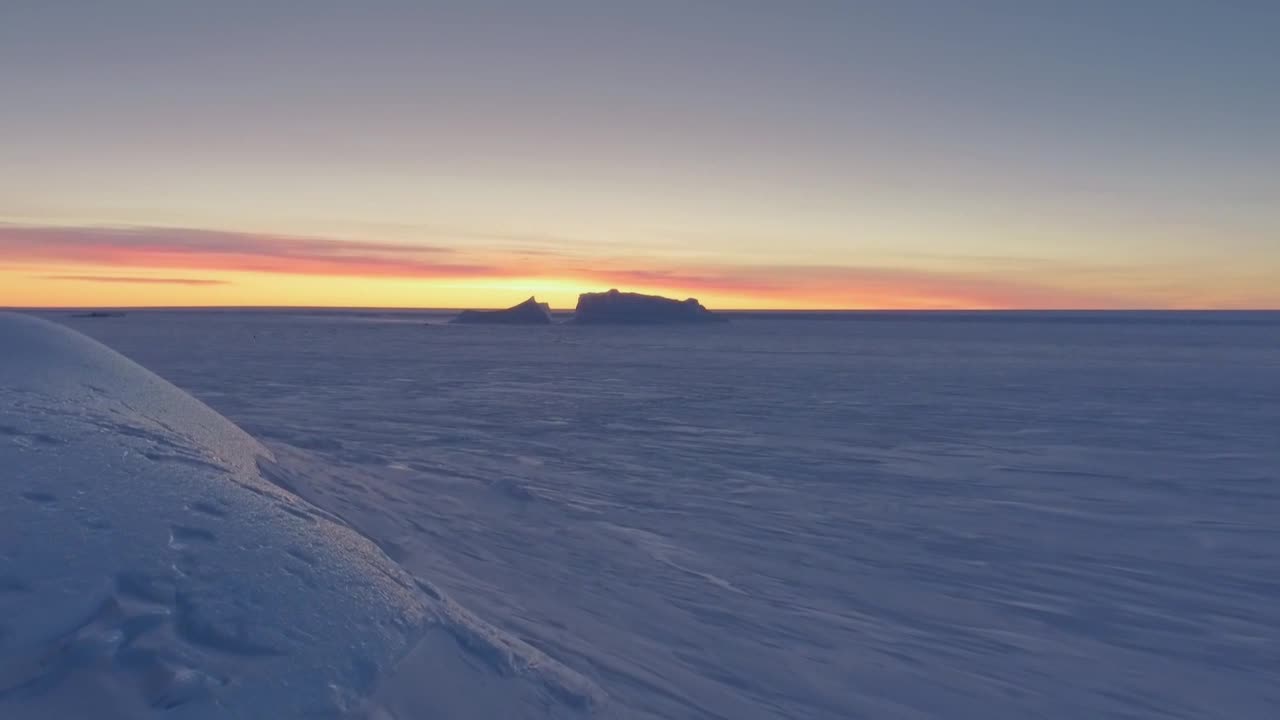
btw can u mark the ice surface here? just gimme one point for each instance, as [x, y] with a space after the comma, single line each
[1060, 516]
[148, 568]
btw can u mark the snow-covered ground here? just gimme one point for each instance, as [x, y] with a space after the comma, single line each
[889, 517]
[149, 567]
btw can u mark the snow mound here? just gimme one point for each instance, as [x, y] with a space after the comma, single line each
[635, 309]
[147, 567]
[529, 312]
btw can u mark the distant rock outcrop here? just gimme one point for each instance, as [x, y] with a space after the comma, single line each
[635, 309]
[529, 312]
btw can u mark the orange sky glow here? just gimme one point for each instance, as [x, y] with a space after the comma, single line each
[72, 266]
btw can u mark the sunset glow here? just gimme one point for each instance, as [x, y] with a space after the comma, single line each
[168, 267]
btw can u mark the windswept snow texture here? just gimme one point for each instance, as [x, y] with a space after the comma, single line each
[999, 516]
[148, 569]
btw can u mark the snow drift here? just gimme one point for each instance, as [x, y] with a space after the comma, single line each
[147, 567]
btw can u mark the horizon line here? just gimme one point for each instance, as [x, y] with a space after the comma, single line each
[984, 310]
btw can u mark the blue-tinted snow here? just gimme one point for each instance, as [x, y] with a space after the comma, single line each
[893, 517]
[148, 569]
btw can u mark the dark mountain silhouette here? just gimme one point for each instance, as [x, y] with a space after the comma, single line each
[529, 312]
[615, 307]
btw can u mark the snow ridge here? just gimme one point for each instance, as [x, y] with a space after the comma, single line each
[148, 567]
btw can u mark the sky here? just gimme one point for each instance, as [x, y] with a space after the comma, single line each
[896, 154]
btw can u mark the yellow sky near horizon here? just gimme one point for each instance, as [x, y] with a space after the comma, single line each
[73, 286]
[66, 288]
[126, 265]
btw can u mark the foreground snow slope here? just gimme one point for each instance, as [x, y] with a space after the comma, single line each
[146, 567]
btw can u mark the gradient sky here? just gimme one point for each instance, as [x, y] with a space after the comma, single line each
[1011, 153]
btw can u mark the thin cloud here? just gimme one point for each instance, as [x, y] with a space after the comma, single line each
[196, 249]
[969, 285]
[828, 286]
[135, 280]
